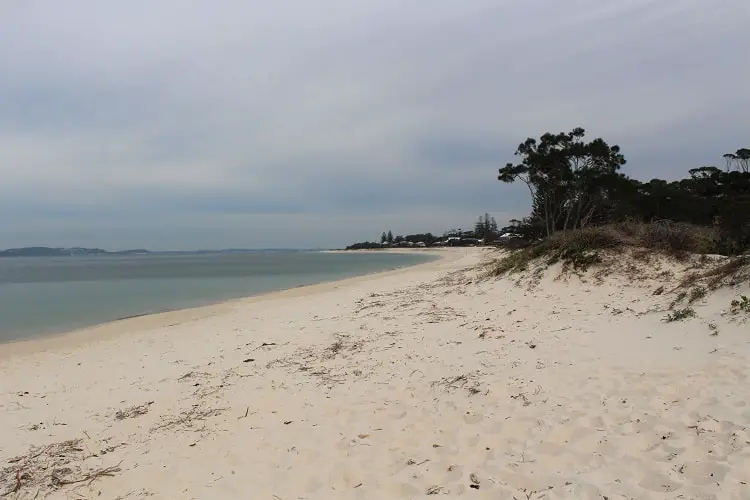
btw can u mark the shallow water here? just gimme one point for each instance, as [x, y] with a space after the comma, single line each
[40, 296]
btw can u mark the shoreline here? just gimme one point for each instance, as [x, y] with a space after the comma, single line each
[177, 316]
[420, 381]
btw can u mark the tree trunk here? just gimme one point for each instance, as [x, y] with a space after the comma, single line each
[549, 215]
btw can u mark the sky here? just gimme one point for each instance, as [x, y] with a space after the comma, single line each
[186, 124]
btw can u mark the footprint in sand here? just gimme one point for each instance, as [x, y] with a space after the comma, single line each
[403, 490]
[472, 441]
[472, 418]
[707, 472]
[453, 473]
[664, 452]
[398, 415]
[659, 483]
[448, 450]
[314, 485]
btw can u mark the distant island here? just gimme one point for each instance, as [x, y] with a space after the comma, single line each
[64, 252]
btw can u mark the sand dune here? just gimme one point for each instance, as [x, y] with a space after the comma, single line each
[419, 382]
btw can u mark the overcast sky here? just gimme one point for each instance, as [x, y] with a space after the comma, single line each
[298, 123]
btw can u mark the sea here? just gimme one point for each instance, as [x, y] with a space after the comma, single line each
[43, 296]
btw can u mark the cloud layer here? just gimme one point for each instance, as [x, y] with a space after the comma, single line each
[189, 124]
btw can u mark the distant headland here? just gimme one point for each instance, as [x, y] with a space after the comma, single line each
[64, 252]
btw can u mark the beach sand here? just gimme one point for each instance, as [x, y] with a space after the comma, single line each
[417, 382]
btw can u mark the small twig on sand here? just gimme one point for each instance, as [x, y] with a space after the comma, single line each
[90, 477]
[266, 344]
[560, 329]
[414, 462]
[433, 490]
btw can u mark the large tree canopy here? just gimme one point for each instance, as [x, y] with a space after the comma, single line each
[573, 183]
[739, 160]
[568, 179]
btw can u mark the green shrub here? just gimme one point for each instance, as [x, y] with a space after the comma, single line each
[697, 293]
[741, 305]
[680, 297]
[680, 314]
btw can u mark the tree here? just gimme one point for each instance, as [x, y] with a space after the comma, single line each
[526, 228]
[426, 238]
[389, 238]
[479, 228]
[568, 179]
[739, 160]
[383, 238]
[485, 228]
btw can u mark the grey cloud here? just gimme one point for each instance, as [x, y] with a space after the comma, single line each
[228, 115]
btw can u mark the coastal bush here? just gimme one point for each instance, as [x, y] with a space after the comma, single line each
[680, 297]
[734, 271]
[697, 293]
[677, 239]
[741, 305]
[582, 249]
[680, 314]
[515, 261]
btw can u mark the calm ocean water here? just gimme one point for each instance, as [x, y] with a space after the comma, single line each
[40, 296]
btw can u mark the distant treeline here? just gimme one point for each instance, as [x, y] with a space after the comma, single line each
[485, 231]
[575, 184]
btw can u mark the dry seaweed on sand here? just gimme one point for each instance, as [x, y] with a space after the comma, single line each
[49, 468]
[342, 345]
[188, 417]
[133, 411]
[464, 381]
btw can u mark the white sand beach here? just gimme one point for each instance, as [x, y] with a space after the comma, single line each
[417, 382]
